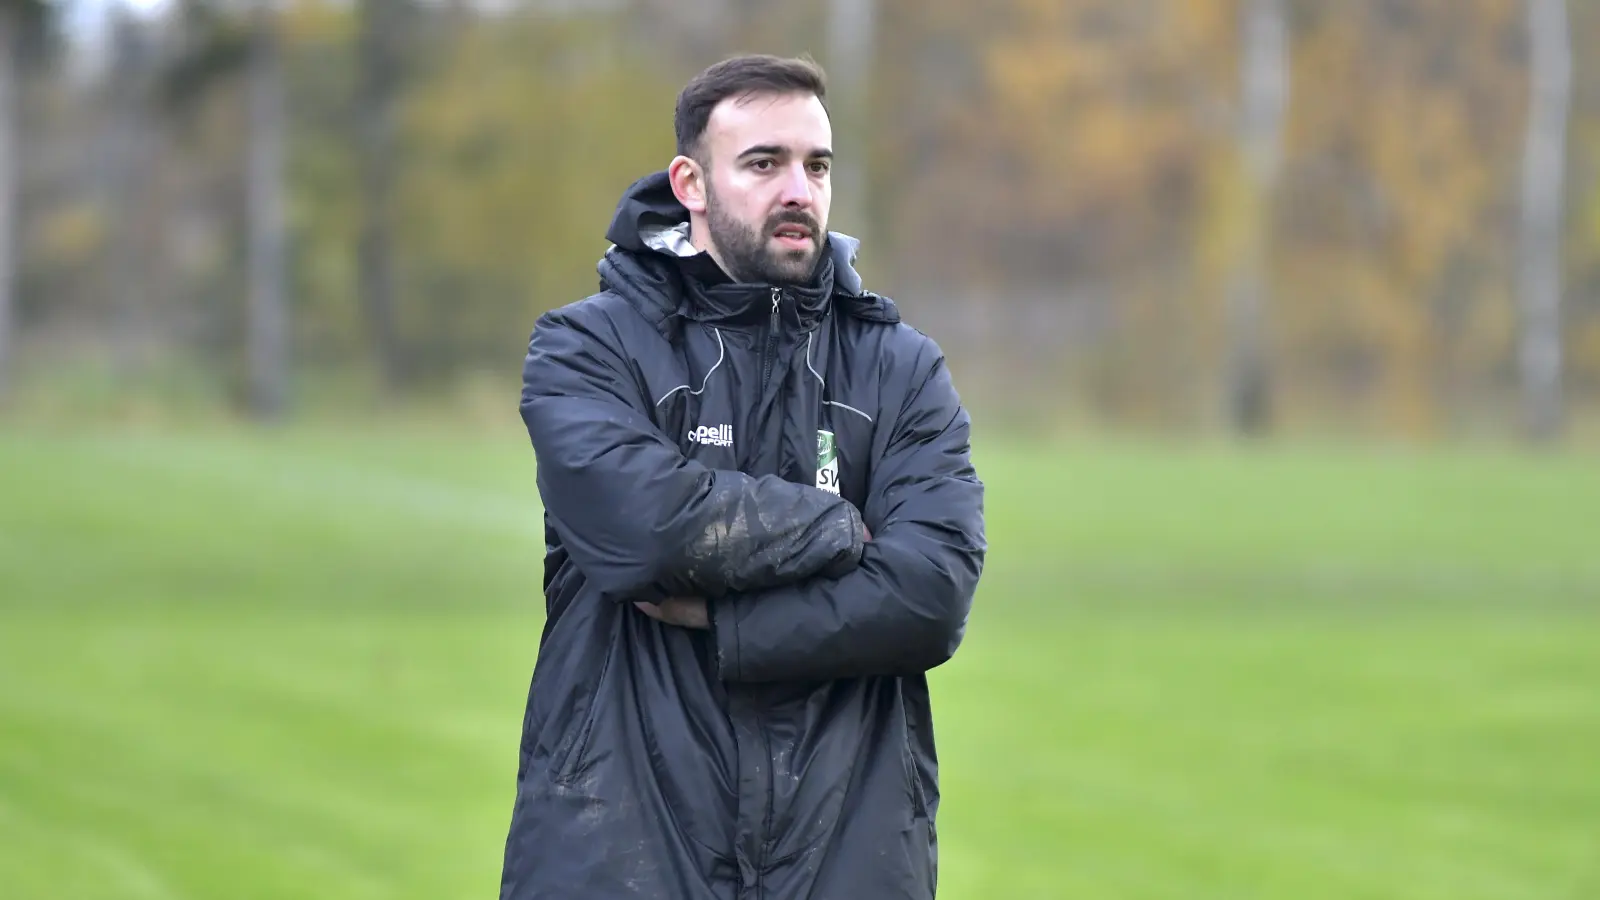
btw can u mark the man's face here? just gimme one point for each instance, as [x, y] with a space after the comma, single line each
[768, 185]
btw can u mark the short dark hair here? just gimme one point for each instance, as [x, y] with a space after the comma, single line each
[753, 73]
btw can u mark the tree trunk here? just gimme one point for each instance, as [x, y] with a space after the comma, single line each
[375, 112]
[1264, 78]
[268, 316]
[127, 157]
[850, 42]
[10, 50]
[1543, 177]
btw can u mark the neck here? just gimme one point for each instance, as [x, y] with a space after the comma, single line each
[700, 237]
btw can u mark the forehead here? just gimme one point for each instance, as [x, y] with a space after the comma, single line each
[797, 122]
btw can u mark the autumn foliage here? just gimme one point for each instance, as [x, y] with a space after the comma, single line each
[1055, 190]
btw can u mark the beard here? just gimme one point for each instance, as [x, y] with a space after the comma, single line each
[749, 254]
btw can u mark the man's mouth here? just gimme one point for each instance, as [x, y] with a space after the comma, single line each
[796, 236]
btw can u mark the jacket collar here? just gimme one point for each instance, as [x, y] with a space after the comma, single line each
[652, 262]
[715, 298]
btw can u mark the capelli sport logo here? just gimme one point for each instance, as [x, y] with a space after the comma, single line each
[827, 462]
[712, 435]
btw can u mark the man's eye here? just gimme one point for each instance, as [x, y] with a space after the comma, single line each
[762, 164]
[819, 168]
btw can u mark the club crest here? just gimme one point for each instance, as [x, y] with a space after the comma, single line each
[827, 462]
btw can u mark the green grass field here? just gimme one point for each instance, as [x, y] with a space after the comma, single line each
[290, 666]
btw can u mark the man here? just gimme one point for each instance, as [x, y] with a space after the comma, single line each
[763, 529]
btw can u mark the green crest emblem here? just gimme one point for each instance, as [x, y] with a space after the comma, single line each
[827, 462]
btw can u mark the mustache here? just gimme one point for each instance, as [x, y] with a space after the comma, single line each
[795, 217]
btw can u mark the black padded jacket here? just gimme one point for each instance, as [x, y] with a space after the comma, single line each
[738, 442]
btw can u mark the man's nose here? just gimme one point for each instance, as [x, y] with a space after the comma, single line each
[796, 187]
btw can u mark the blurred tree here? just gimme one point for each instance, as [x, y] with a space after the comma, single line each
[383, 38]
[521, 136]
[1544, 180]
[1581, 314]
[10, 43]
[1047, 163]
[1394, 204]
[226, 38]
[1264, 87]
[129, 146]
[851, 48]
[1060, 190]
[17, 19]
[268, 301]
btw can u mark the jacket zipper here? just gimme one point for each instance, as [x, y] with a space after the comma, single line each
[763, 836]
[772, 341]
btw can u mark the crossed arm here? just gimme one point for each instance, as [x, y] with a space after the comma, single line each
[792, 586]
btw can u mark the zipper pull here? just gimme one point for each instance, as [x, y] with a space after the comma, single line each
[776, 293]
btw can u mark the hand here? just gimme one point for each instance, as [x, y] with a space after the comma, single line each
[684, 612]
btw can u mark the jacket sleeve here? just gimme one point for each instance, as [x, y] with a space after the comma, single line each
[904, 609]
[640, 520]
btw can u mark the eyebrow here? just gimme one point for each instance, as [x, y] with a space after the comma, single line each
[779, 150]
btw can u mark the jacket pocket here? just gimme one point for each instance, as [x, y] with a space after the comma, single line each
[908, 759]
[571, 764]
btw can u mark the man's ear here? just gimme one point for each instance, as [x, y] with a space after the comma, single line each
[688, 183]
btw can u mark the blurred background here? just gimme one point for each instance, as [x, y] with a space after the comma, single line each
[1279, 321]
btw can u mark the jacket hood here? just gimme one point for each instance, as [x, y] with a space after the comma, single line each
[649, 219]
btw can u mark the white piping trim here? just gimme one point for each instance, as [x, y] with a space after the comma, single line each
[851, 408]
[722, 353]
[824, 382]
[809, 336]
